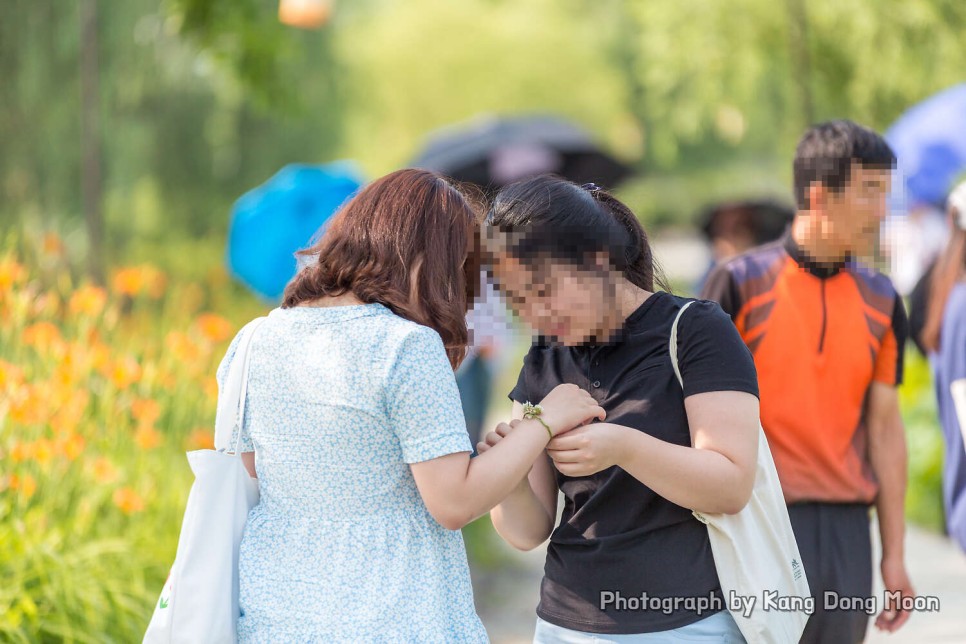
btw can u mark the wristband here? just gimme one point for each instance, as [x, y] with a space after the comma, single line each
[532, 412]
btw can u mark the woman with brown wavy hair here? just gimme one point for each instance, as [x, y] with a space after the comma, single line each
[354, 428]
[944, 336]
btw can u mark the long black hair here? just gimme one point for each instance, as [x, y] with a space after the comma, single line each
[549, 218]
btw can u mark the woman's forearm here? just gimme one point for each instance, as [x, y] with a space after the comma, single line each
[697, 479]
[493, 475]
[521, 519]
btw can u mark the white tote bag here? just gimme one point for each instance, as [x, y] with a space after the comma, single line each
[199, 601]
[755, 551]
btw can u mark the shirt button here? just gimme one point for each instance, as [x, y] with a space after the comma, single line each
[596, 383]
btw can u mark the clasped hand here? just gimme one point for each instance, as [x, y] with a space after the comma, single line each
[577, 448]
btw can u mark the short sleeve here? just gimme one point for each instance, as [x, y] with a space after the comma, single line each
[221, 375]
[423, 402]
[720, 287]
[527, 388]
[711, 353]
[889, 359]
[520, 392]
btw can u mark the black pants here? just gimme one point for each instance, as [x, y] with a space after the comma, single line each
[836, 547]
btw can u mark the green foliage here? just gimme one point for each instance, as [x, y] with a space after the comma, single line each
[204, 99]
[924, 504]
[419, 65]
[94, 425]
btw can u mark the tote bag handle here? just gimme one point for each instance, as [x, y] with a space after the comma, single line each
[231, 402]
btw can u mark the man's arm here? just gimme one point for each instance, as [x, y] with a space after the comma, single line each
[887, 453]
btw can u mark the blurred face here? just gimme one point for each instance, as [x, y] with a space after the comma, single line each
[854, 215]
[569, 304]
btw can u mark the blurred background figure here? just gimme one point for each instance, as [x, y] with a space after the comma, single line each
[944, 337]
[929, 140]
[491, 337]
[911, 241]
[733, 227]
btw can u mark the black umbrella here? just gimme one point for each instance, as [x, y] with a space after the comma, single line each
[491, 152]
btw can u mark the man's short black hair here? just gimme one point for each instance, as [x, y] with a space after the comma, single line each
[827, 151]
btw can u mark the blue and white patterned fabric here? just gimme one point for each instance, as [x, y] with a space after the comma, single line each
[341, 546]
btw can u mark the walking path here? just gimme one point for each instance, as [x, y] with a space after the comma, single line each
[506, 598]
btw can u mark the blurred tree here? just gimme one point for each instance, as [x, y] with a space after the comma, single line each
[91, 187]
[202, 99]
[191, 118]
[418, 65]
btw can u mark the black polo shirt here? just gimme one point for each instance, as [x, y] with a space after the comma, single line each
[616, 534]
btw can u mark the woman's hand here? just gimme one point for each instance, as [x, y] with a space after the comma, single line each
[569, 406]
[588, 449]
[494, 437]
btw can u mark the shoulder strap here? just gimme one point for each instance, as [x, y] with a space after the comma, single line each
[673, 346]
[231, 402]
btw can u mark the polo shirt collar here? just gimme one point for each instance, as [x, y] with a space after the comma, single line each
[822, 270]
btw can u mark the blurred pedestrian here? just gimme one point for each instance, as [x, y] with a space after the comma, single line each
[828, 335]
[732, 228]
[944, 337]
[489, 339]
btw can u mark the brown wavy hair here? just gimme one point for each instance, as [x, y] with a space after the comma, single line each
[407, 241]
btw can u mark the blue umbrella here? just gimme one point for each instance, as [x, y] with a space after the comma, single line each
[930, 143]
[270, 223]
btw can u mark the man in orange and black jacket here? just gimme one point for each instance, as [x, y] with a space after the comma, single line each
[827, 335]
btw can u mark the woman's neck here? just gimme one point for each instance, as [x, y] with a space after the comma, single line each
[346, 299]
[627, 299]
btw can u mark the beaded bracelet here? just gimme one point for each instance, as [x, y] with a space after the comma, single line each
[531, 411]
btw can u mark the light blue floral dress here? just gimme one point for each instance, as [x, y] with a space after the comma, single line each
[341, 546]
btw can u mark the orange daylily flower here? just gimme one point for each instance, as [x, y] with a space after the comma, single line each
[54, 245]
[201, 438]
[43, 336]
[25, 484]
[11, 376]
[183, 348]
[88, 300]
[146, 411]
[104, 470]
[128, 281]
[128, 500]
[147, 437]
[72, 446]
[214, 327]
[43, 451]
[134, 280]
[100, 355]
[68, 416]
[21, 452]
[28, 406]
[157, 283]
[11, 272]
[123, 372]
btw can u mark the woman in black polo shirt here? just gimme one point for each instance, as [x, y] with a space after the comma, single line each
[628, 562]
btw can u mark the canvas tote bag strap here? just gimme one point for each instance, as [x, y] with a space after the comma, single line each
[231, 403]
[673, 347]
